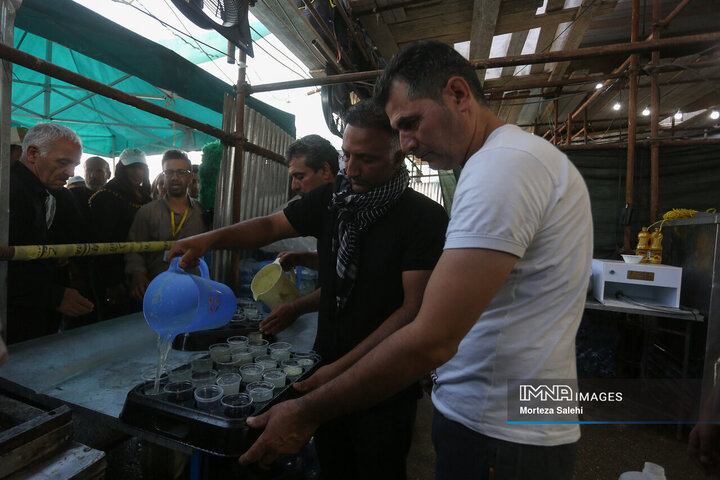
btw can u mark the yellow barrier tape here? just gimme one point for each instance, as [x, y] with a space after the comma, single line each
[35, 252]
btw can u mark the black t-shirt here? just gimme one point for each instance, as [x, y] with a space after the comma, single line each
[410, 236]
[35, 288]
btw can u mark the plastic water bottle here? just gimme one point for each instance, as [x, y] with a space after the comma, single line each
[651, 471]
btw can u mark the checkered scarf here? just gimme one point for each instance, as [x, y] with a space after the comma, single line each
[355, 212]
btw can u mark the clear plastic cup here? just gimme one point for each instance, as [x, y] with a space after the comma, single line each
[266, 361]
[208, 398]
[230, 383]
[258, 347]
[276, 377]
[260, 395]
[179, 372]
[201, 362]
[280, 351]
[220, 352]
[148, 375]
[260, 392]
[247, 302]
[306, 359]
[292, 369]
[237, 406]
[180, 393]
[252, 372]
[254, 336]
[200, 379]
[237, 343]
[231, 366]
[260, 383]
[243, 358]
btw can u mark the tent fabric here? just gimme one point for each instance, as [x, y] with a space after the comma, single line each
[185, 48]
[76, 38]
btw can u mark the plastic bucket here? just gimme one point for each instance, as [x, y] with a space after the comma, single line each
[273, 287]
[180, 302]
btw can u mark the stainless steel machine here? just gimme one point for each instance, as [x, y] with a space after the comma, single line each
[694, 245]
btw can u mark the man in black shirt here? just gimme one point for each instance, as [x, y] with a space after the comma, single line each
[42, 212]
[378, 242]
[97, 173]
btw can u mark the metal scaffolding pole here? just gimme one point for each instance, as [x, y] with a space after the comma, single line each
[7, 28]
[655, 117]
[52, 70]
[530, 59]
[632, 107]
[238, 166]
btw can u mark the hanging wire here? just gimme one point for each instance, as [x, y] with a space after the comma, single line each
[200, 42]
[289, 25]
[301, 75]
[197, 42]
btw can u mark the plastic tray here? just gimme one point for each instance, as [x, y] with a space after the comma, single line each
[212, 433]
[200, 341]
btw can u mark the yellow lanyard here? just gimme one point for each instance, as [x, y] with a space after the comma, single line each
[172, 222]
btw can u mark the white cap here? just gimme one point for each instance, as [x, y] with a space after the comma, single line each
[132, 155]
[75, 179]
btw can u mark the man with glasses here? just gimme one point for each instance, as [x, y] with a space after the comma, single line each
[171, 217]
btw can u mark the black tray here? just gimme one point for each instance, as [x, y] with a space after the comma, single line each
[212, 433]
[200, 341]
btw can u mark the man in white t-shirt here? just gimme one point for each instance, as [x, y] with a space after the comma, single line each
[505, 300]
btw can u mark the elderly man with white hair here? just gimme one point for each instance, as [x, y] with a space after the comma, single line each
[42, 212]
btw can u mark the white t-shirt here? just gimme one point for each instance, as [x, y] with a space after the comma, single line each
[519, 194]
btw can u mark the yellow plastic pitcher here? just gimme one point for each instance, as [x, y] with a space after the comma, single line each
[272, 287]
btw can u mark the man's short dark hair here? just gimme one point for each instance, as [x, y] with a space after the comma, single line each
[99, 159]
[316, 151]
[426, 68]
[366, 114]
[175, 154]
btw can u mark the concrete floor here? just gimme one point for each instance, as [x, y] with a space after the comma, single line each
[604, 451]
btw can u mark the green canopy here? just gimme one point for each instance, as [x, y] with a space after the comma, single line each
[78, 39]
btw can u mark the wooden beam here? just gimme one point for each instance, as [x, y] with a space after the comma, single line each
[547, 33]
[510, 111]
[515, 22]
[516, 6]
[580, 24]
[484, 19]
[454, 24]
[579, 27]
[517, 42]
[390, 13]
[381, 35]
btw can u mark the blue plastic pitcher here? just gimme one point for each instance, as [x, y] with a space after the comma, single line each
[180, 302]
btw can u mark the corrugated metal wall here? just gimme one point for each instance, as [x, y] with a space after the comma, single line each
[265, 182]
[430, 189]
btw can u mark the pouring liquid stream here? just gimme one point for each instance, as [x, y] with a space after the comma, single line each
[164, 343]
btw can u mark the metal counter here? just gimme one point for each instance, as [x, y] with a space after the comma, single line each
[94, 367]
